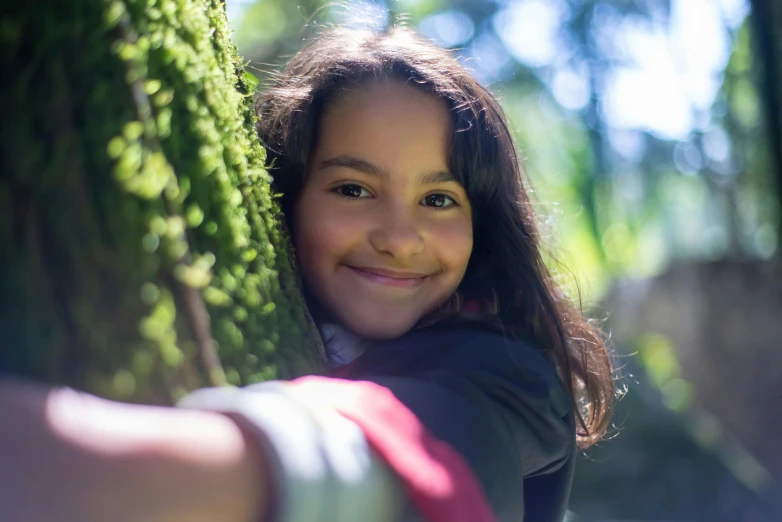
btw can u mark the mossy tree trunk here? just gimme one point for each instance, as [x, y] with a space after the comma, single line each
[140, 251]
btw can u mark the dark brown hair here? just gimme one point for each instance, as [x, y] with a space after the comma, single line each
[506, 266]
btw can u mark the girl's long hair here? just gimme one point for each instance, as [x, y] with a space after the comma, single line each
[506, 266]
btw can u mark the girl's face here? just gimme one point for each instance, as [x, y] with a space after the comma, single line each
[383, 231]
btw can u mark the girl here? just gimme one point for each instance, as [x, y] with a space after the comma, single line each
[461, 380]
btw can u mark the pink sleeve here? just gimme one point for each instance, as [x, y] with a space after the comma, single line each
[436, 478]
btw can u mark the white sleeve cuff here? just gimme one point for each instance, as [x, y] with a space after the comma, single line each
[323, 467]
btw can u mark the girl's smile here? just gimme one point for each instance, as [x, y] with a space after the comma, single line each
[383, 231]
[389, 277]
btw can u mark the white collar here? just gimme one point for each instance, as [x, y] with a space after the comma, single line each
[342, 345]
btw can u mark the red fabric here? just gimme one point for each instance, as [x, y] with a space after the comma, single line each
[471, 306]
[437, 479]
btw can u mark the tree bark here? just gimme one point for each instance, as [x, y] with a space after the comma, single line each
[140, 246]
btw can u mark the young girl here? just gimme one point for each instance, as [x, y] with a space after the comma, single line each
[462, 379]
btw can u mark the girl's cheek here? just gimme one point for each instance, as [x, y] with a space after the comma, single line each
[453, 239]
[331, 218]
[324, 227]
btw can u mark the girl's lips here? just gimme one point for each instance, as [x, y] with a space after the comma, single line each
[387, 280]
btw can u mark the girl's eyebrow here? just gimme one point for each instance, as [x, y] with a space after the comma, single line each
[351, 162]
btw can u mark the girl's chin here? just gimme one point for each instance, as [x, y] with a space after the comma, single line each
[379, 330]
[382, 323]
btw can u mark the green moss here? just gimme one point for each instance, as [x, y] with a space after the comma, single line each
[133, 196]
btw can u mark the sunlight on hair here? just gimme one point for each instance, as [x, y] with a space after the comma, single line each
[362, 14]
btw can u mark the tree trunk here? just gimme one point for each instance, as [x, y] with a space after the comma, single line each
[140, 248]
[767, 28]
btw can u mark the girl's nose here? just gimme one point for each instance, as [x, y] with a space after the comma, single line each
[397, 232]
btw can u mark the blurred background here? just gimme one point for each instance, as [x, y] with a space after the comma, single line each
[650, 130]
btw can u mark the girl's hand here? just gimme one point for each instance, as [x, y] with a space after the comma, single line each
[67, 456]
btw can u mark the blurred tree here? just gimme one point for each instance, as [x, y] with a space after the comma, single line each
[767, 25]
[139, 242]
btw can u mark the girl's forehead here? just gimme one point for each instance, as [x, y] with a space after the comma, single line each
[389, 128]
[384, 92]
[387, 116]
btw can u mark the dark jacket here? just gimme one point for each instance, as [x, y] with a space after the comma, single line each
[499, 403]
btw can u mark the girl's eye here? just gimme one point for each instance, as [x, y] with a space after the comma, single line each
[438, 201]
[351, 190]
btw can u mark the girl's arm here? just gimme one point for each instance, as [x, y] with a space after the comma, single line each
[71, 457]
[67, 456]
